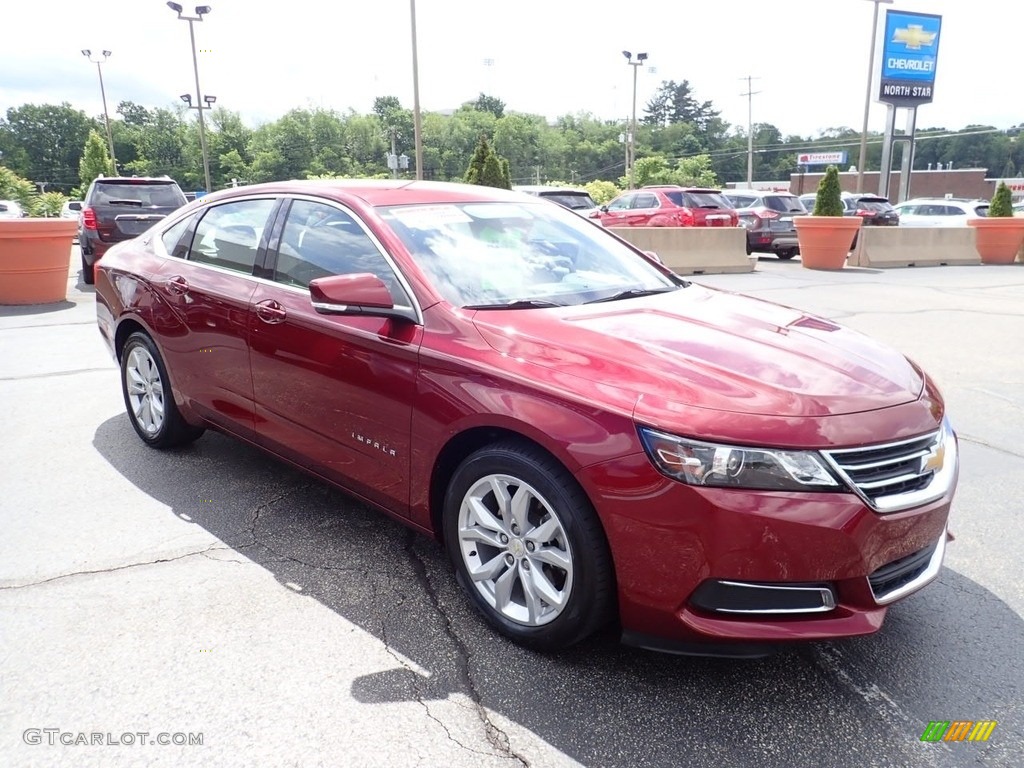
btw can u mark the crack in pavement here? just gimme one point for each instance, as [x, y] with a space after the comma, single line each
[985, 444]
[257, 541]
[75, 372]
[419, 694]
[497, 738]
[201, 552]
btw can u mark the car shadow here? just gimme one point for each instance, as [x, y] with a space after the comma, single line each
[952, 651]
[23, 310]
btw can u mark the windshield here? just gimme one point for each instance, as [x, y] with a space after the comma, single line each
[698, 199]
[485, 255]
[576, 202]
[784, 203]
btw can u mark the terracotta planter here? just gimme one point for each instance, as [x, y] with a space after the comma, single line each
[35, 258]
[999, 239]
[825, 241]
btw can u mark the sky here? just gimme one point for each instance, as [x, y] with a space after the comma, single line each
[809, 58]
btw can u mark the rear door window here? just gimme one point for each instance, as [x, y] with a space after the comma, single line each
[645, 200]
[229, 235]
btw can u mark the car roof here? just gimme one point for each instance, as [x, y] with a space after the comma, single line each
[534, 189]
[133, 179]
[763, 192]
[379, 192]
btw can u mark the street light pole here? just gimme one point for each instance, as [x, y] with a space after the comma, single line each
[631, 139]
[103, 92]
[416, 121]
[201, 10]
[867, 98]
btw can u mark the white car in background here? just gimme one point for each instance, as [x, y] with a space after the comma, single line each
[9, 209]
[940, 211]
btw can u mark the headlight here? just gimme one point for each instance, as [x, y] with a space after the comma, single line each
[732, 466]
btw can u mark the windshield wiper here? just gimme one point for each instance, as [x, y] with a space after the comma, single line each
[124, 202]
[631, 293]
[518, 304]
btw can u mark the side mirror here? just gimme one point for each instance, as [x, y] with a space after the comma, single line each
[358, 294]
[604, 208]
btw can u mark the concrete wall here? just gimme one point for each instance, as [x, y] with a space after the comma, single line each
[693, 250]
[914, 247]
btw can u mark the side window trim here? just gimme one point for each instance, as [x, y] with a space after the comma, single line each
[277, 233]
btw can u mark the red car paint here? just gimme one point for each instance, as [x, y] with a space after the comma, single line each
[375, 405]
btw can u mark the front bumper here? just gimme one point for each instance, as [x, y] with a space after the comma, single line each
[670, 541]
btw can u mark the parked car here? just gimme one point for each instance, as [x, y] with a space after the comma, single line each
[593, 438]
[1018, 208]
[768, 219]
[11, 209]
[71, 209]
[669, 206]
[120, 208]
[573, 198]
[874, 210]
[940, 211]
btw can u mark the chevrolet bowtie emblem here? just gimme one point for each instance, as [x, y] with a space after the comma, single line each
[935, 459]
[914, 37]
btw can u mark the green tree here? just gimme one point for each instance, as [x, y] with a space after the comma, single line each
[13, 187]
[492, 175]
[477, 163]
[51, 138]
[1002, 202]
[602, 191]
[95, 161]
[829, 199]
[485, 103]
[49, 204]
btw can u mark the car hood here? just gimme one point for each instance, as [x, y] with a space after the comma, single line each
[702, 348]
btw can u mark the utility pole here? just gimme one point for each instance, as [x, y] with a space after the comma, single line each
[416, 118]
[750, 94]
[394, 152]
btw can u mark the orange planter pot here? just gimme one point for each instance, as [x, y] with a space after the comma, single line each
[35, 258]
[998, 240]
[825, 241]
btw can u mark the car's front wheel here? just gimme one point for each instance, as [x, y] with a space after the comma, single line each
[148, 397]
[527, 546]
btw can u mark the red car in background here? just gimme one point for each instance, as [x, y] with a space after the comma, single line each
[594, 439]
[669, 206]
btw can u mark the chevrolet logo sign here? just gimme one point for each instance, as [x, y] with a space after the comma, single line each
[914, 37]
[935, 459]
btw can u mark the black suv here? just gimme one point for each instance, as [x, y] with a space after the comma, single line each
[117, 209]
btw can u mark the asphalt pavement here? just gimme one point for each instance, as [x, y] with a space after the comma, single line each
[212, 594]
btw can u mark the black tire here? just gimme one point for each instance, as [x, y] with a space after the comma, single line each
[561, 527]
[88, 276]
[786, 255]
[148, 398]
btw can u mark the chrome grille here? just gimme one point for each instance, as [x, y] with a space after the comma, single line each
[902, 474]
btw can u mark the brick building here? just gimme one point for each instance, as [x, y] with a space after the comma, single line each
[960, 182]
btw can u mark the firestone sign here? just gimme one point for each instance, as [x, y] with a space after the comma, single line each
[909, 57]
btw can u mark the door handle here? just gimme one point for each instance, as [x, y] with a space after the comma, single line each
[269, 311]
[177, 285]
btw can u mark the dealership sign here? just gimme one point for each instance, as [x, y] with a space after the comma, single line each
[909, 56]
[821, 158]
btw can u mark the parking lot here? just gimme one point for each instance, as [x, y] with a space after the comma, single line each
[212, 592]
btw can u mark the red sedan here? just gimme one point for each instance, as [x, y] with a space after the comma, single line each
[592, 438]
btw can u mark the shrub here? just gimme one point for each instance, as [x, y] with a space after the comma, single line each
[829, 199]
[1002, 202]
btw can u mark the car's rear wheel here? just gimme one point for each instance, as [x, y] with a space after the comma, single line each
[148, 397]
[88, 276]
[787, 255]
[527, 547]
